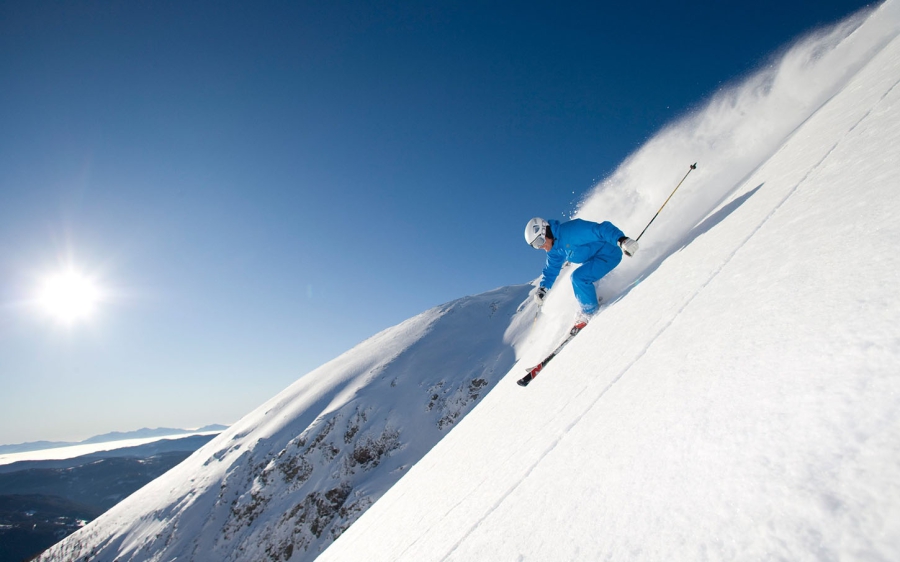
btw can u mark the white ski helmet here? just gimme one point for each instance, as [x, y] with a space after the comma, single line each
[535, 232]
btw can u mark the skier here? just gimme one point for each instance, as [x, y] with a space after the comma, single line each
[598, 247]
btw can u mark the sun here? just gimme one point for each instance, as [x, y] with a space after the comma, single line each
[69, 296]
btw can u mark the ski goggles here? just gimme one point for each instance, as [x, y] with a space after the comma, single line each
[538, 241]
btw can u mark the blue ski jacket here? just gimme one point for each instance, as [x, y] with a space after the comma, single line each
[578, 241]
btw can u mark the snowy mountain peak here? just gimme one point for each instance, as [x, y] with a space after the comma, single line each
[290, 477]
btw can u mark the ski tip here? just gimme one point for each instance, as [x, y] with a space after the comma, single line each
[524, 380]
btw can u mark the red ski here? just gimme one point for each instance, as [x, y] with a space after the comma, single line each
[533, 372]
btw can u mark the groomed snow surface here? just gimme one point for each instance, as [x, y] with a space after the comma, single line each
[738, 397]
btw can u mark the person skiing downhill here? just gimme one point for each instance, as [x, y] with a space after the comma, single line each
[598, 247]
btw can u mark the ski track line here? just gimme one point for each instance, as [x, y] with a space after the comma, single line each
[664, 328]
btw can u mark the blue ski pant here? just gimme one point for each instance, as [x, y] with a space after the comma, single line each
[590, 272]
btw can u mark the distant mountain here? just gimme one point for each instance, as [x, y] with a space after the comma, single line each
[33, 446]
[187, 444]
[42, 502]
[147, 433]
[99, 483]
[213, 427]
[144, 433]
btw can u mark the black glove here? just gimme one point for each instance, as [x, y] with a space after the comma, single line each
[539, 295]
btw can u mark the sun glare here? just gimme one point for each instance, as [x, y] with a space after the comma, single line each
[69, 296]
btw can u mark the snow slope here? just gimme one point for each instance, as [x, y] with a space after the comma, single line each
[741, 403]
[737, 397]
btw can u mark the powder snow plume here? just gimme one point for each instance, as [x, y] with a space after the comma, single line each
[729, 136]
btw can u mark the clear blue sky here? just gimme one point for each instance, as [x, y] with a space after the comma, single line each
[257, 187]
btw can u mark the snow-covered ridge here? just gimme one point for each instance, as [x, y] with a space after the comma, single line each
[289, 477]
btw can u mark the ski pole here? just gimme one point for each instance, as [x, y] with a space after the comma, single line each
[693, 167]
